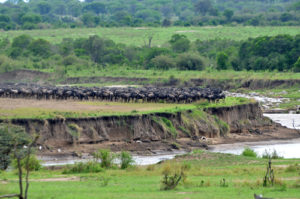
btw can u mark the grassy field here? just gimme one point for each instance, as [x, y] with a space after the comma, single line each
[154, 75]
[204, 170]
[138, 36]
[44, 109]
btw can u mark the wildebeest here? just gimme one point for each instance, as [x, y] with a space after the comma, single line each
[130, 94]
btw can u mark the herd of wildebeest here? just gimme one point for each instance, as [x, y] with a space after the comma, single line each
[130, 94]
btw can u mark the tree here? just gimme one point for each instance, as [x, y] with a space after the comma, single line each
[96, 7]
[162, 62]
[180, 43]
[297, 66]
[43, 8]
[16, 143]
[222, 59]
[228, 14]
[40, 47]
[21, 41]
[203, 6]
[187, 61]
[166, 23]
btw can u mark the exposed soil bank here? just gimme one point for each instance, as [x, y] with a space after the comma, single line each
[159, 131]
[24, 76]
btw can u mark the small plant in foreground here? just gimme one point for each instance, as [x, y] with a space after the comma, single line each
[249, 152]
[106, 158]
[293, 168]
[33, 163]
[83, 167]
[172, 178]
[269, 177]
[223, 183]
[126, 159]
[273, 155]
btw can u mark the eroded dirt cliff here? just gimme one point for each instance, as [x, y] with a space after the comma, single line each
[159, 131]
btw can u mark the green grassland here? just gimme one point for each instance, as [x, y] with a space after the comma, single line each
[138, 36]
[104, 108]
[117, 71]
[204, 170]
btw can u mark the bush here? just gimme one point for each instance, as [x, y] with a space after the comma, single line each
[34, 163]
[189, 61]
[222, 59]
[180, 43]
[106, 158]
[126, 159]
[273, 155]
[249, 152]
[296, 67]
[162, 62]
[81, 167]
[171, 178]
[293, 168]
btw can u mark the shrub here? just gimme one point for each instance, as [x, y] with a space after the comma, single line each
[106, 158]
[293, 168]
[33, 165]
[180, 43]
[83, 167]
[126, 159]
[171, 178]
[273, 155]
[189, 61]
[249, 152]
[162, 62]
[222, 59]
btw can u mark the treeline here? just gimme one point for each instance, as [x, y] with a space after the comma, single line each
[281, 53]
[41, 14]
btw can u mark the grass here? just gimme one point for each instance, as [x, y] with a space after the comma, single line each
[155, 75]
[138, 36]
[204, 172]
[103, 108]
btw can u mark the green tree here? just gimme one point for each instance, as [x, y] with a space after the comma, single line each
[203, 6]
[40, 47]
[222, 61]
[187, 61]
[180, 43]
[296, 67]
[21, 41]
[228, 14]
[43, 8]
[95, 7]
[162, 62]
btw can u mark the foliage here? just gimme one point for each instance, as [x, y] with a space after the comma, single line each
[72, 13]
[188, 61]
[272, 155]
[171, 178]
[162, 62]
[105, 157]
[222, 60]
[249, 152]
[126, 159]
[33, 165]
[83, 167]
[180, 43]
[11, 136]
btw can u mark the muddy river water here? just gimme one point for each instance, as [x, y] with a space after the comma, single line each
[285, 148]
